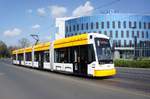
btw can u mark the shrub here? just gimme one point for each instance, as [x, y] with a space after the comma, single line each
[133, 63]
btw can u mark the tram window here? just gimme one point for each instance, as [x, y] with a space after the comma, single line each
[28, 57]
[20, 56]
[71, 54]
[46, 56]
[36, 56]
[61, 55]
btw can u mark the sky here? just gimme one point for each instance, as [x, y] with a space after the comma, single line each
[21, 18]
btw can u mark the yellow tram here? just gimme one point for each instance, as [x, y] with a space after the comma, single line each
[85, 54]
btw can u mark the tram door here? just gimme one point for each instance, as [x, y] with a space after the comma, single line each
[19, 58]
[41, 60]
[80, 60]
[83, 59]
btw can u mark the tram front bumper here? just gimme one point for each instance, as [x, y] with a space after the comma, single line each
[104, 73]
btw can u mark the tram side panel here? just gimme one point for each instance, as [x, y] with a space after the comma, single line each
[61, 61]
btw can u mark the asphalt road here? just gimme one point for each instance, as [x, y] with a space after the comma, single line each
[24, 83]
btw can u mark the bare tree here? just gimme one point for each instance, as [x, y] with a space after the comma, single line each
[24, 42]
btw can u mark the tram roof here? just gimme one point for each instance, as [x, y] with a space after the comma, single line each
[38, 47]
[71, 41]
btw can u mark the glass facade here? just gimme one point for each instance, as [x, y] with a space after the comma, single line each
[121, 29]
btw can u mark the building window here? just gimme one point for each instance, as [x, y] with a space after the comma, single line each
[77, 27]
[114, 43]
[113, 24]
[105, 32]
[119, 24]
[147, 34]
[87, 26]
[82, 27]
[144, 25]
[122, 34]
[91, 25]
[141, 44]
[140, 25]
[102, 25]
[66, 28]
[138, 34]
[130, 24]
[99, 32]
[127, 35]
[111, 34]
[119, 43]
[108, 24]
[97, 25]
[130, 43]
[124, 24]
[142, 34]
[134, 24]
[74, 27]
[132, 33]
[116, 34]
[70, 28]
[125, 43]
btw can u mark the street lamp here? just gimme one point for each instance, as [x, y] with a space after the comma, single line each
[135, 47]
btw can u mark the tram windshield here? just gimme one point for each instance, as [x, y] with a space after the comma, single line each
[103, 50]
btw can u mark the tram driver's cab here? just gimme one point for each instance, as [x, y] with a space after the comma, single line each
[103, 64]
